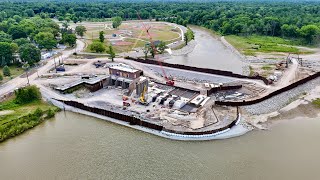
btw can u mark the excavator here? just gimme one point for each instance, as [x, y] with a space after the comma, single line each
[142, 99]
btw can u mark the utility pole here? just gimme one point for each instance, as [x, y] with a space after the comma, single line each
[55, 65]
[26, 66]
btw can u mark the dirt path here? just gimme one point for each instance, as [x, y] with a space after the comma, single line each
[290, 75]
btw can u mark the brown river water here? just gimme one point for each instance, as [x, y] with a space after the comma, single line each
[74, 146]
[209, 53]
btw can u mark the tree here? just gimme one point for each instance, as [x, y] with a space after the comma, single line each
[6, 71]
[80, 30]
[97, 46]
[17, 18]
[4, 37]
[289, 30]
[69, 39]
[111, 53]
[226, 28]
[17, 32]
[6, 54]
[188, 36]
[65, 25]
[161, 47]
[29, 53]
[46, 40]
[309, 32]
[14, 47]
[29, 12]
[152, 51]
[101, 36]
[116, 21]
[21, 41]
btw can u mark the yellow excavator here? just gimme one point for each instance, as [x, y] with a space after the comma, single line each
[142, 98]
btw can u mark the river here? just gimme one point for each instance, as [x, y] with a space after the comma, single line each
[74, 146]
[209, 53]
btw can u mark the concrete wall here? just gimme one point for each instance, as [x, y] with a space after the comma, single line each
[132, 120]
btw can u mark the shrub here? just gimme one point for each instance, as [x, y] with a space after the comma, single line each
[50, 113]
[6, 71]
[1, 77]
[27, 94]
[38, 112]
[97, 47]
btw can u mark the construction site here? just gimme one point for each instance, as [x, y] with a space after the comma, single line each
[176, 98]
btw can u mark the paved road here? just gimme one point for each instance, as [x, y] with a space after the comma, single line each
[19, 82]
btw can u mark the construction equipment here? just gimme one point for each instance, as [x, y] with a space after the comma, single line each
[126, 104]
[125, 98]
[142, 98]
[169, 82]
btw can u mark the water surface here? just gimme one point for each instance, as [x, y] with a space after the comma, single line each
[209, 53]
[74, 146]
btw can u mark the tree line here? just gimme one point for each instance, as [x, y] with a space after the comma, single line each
[286, 19]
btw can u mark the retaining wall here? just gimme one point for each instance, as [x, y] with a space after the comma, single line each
[282, 90]
[132, 120]
[198, 69]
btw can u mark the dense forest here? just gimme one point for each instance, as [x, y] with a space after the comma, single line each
[285, 19]
[24, 25]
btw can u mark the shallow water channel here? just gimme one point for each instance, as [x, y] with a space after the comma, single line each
[209, 53]
[74, 146]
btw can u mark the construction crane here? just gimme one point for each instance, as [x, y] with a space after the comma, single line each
[169, 81]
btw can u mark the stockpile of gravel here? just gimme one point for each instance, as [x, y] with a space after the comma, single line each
[277, 102]
[191, 75]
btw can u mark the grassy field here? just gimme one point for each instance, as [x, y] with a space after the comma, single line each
[265, 44]
[132, 32]
[16, 118]
[14, 70]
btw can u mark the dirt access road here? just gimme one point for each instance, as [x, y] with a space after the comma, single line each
[18, 81]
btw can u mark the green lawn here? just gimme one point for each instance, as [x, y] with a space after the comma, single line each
[250, 45]
[14, 70]
[16, 118]
[21, 110]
